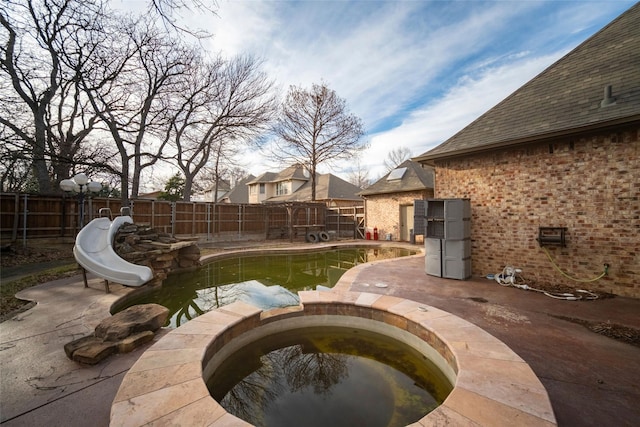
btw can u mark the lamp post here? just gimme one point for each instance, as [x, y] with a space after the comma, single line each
[80, 185]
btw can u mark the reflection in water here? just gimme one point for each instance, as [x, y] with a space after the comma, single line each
[265, 281]
[328, 377]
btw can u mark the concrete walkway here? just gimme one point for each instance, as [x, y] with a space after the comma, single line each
[591, 380]
[39, 385]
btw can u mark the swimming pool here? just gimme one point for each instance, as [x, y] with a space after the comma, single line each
[328, 376]
[266, 281]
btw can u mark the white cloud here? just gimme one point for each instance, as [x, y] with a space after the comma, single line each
[241, 27]
[415, 72]
[375, 55]
[438, 120]
[386, 66]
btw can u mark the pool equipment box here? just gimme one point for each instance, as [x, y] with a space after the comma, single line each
[448, 238]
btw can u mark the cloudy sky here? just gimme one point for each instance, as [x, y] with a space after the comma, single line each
[415, 72]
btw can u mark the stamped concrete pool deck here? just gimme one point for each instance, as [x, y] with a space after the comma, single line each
[591, 380]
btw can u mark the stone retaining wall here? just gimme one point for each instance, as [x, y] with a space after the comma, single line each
[159, 251]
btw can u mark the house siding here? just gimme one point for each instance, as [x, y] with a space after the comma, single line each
[383, 210]
[588, 184]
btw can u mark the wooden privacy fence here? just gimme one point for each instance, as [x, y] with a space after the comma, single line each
[346, 221]
[27, 216]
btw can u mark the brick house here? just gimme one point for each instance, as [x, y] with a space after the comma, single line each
[389, 201]
[561, 151]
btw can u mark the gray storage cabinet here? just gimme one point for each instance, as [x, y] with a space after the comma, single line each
[448, 238]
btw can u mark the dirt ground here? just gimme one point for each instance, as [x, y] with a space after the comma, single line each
[16, 255]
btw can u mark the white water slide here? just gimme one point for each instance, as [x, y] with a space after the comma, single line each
[94, 252]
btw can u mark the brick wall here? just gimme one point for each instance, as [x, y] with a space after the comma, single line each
[591, 185]
[383, 210]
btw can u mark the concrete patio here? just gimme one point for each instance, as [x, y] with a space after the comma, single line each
[591, 380]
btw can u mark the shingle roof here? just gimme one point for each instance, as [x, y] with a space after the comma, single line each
[265, 177]
[240, 192]
[296, 172]
[328, 187]
[292, 172]
[566, 97]
[415, 178]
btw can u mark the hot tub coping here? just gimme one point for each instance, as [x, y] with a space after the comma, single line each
[493, 385]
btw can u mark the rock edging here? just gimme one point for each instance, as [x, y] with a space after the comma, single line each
[120, 333]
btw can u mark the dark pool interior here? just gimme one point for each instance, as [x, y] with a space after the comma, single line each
[328, 376]
[265, 281]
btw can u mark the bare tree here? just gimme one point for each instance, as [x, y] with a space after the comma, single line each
[135, 73]
[15, 162]
[70, 123]
[230, 173]
[396, 157]
[359, 176]
[223, 106]
[35, 36]
[235, 174]
[169, 10]
[315, 127]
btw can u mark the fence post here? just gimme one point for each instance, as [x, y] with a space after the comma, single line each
[173, 219]
[24, 222]
[208, 221]
[16, 217]
[90, 204]
[215, 222]
[153, 214]
[63, 214]
[193, 218]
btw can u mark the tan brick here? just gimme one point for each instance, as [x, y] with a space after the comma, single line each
[590, 185]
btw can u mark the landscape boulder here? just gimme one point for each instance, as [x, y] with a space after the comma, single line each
[137, 318]
[120, 333]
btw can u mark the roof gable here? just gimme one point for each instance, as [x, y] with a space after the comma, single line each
[240, 192]
[295, 172]
[566, 97]
[265, 177]
[416, 177]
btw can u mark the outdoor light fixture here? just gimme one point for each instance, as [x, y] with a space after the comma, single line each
[80, 185]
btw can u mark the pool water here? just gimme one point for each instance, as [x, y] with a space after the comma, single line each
[329, 376]
[265, 281]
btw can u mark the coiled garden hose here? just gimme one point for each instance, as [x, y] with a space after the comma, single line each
[511, 276]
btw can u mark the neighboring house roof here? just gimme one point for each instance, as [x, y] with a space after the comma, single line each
[415, 177]
[223, 185]
[240, 192]
[292, 172]
[328, 187]
[566, 98]
[265, 177]
[151, 196]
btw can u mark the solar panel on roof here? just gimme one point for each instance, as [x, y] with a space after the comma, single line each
[396, 174]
